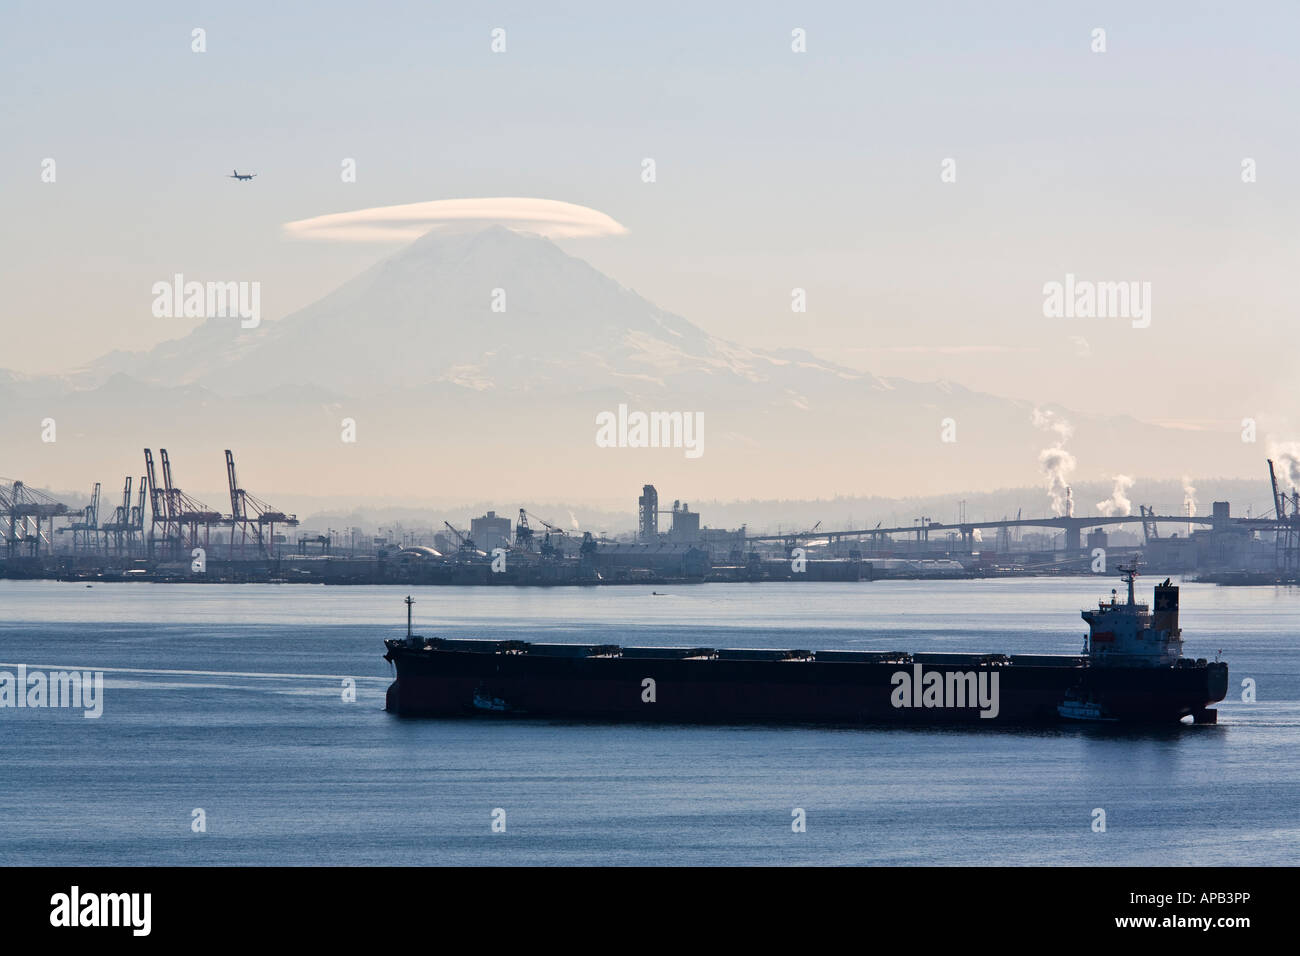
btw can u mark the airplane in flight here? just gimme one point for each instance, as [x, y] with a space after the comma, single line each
[239, 175]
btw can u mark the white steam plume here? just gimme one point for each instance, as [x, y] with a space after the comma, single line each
[1051, 422]
[1056, 463]
[1118, 504]
[1189, 497]
[1286, 461]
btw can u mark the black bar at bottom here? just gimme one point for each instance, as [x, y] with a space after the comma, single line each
[329, 906]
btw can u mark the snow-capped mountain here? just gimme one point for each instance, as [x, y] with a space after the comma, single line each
[476, 362]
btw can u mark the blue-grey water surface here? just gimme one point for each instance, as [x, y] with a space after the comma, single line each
[229, 698]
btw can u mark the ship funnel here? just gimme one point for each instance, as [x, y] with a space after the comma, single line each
[1165, 609]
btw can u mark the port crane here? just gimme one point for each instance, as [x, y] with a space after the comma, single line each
[1149, 530]
[26, 508]
[85, 531]
[1286, 512]
[524, 534]
[466, 546]
[176, 511]
[252, 517]
[119, 530]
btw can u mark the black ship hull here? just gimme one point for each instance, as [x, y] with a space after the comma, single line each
[453, 678]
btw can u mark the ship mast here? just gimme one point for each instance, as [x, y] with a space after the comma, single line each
[1129, 572]
[409, 602]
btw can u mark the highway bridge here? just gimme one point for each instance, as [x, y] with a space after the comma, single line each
[1072, 525]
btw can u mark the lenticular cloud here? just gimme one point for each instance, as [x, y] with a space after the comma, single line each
[546, 217]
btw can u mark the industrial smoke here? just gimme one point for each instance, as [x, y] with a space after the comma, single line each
[1056, 463]
[1118, 504]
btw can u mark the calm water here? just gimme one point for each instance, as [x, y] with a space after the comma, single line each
[229, 698]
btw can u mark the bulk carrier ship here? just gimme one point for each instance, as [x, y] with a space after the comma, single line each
[1132, 670]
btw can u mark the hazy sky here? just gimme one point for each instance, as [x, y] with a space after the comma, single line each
[775, 170]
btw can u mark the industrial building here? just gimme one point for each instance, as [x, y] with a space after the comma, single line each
[490, 531]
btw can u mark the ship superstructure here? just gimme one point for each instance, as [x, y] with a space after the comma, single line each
[1130, 634]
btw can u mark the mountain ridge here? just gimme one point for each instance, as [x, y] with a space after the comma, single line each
[412, 350]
